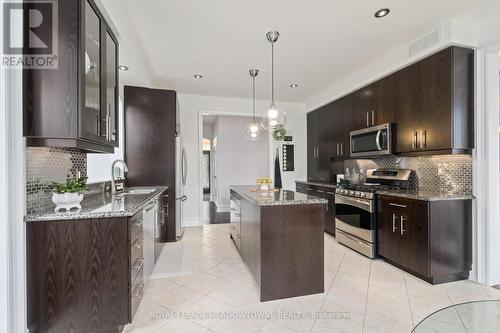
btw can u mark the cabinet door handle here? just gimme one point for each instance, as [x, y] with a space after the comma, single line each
[394, 218]
[423, 139]
[341, 149]
[403, 220]
[317, 149]
[397, 205]
[373, 117]
[415, 139]
[337, 149]
[319, 191]
[368, 119]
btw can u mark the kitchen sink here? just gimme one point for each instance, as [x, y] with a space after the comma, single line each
[140, 191]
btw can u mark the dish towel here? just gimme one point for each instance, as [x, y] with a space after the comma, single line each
[277, 170]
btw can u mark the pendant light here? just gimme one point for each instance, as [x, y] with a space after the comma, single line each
[273, 117]
[252, 130]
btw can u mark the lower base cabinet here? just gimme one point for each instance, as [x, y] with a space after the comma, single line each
[327, 193]
[430, 239]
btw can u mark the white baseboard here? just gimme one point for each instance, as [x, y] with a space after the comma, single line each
[191, 222]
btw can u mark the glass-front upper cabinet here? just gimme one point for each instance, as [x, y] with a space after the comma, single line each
[111, 88]
[91, 118]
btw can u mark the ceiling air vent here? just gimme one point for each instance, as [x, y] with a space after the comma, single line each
[424, 43]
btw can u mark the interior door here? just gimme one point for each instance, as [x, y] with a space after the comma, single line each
[406, 106]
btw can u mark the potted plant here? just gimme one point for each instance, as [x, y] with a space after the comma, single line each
[68, 195]
[279, 133]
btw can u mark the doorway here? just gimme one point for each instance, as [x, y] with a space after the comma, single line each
[228, 158]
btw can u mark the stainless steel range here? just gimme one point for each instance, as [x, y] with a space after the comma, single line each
[355, 208]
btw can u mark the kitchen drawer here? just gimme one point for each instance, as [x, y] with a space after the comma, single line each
[136, 267]
[136, 226]
[136, 292]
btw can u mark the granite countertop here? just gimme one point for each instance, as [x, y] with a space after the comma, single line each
[279, 198]
[316, 184]
[102, 205]
[425, 195]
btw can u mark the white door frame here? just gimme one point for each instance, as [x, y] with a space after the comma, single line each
[486, 167]
[12, 199]
[215, 112]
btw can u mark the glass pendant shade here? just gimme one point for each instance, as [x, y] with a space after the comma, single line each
[273, 118]
[253, 131]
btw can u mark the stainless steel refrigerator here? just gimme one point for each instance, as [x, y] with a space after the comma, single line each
[181, 169]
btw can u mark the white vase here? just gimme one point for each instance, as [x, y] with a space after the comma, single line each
[67, 201]
[264, 187]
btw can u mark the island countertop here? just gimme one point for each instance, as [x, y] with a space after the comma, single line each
[278, 198]
[101, 205]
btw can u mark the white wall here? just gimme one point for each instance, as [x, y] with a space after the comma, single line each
[191, 107]
[239, 161]
[99, 165]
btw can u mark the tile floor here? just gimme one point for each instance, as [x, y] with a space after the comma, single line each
[362, 295]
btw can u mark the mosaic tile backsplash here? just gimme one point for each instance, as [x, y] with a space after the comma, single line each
[46, 165]
[447, 174]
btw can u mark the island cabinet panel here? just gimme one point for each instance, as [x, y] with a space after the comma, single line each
[282, 243]
[292, 251]
[431, 240]
[78, 275]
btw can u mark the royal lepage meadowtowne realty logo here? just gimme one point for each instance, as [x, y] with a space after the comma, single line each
[30, 38]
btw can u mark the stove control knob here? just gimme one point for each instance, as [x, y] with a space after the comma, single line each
[358, 194]
[363, 195]
[351, 193]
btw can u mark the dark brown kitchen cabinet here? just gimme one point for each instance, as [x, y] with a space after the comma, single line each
[434, 104]
[430, 239]
[150, 144]
[319, 138]
[373, 104]
[76, 104]
[325, 192]
[406, 99]
[341, 124]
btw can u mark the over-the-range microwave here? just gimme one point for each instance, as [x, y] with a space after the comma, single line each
[372, 141]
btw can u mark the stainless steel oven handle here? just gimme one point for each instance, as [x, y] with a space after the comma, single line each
[365, 205]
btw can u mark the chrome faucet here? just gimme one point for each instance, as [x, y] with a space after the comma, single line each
[125, 169]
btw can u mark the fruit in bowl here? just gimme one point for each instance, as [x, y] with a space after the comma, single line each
[265, 183]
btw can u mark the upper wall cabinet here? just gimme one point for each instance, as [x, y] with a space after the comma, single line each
[434, 110]
[373, 104]
[76, 105]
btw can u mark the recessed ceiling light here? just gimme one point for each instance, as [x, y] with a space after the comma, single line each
[123, 68]
[382, 12]
[198, 76]
[294, 85]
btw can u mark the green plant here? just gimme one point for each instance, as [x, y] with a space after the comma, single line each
[279, 133]
[75, 185]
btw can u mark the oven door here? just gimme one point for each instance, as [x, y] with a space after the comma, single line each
[355, 216]
[371, 141]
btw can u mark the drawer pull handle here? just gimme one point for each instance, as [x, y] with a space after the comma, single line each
[138, 244]
[397, 205]
[138, 224]
[319, 191]
[330, 193]
[138, 264]
[141, 289]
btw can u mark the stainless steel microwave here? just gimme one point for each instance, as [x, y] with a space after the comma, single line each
[372, 141]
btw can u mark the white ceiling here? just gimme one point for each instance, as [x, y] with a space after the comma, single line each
[166, 42]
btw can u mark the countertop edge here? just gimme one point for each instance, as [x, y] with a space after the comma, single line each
[30, 218]
[424, 197]
[263, 203]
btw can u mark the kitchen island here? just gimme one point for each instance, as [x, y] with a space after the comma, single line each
[280, 238]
